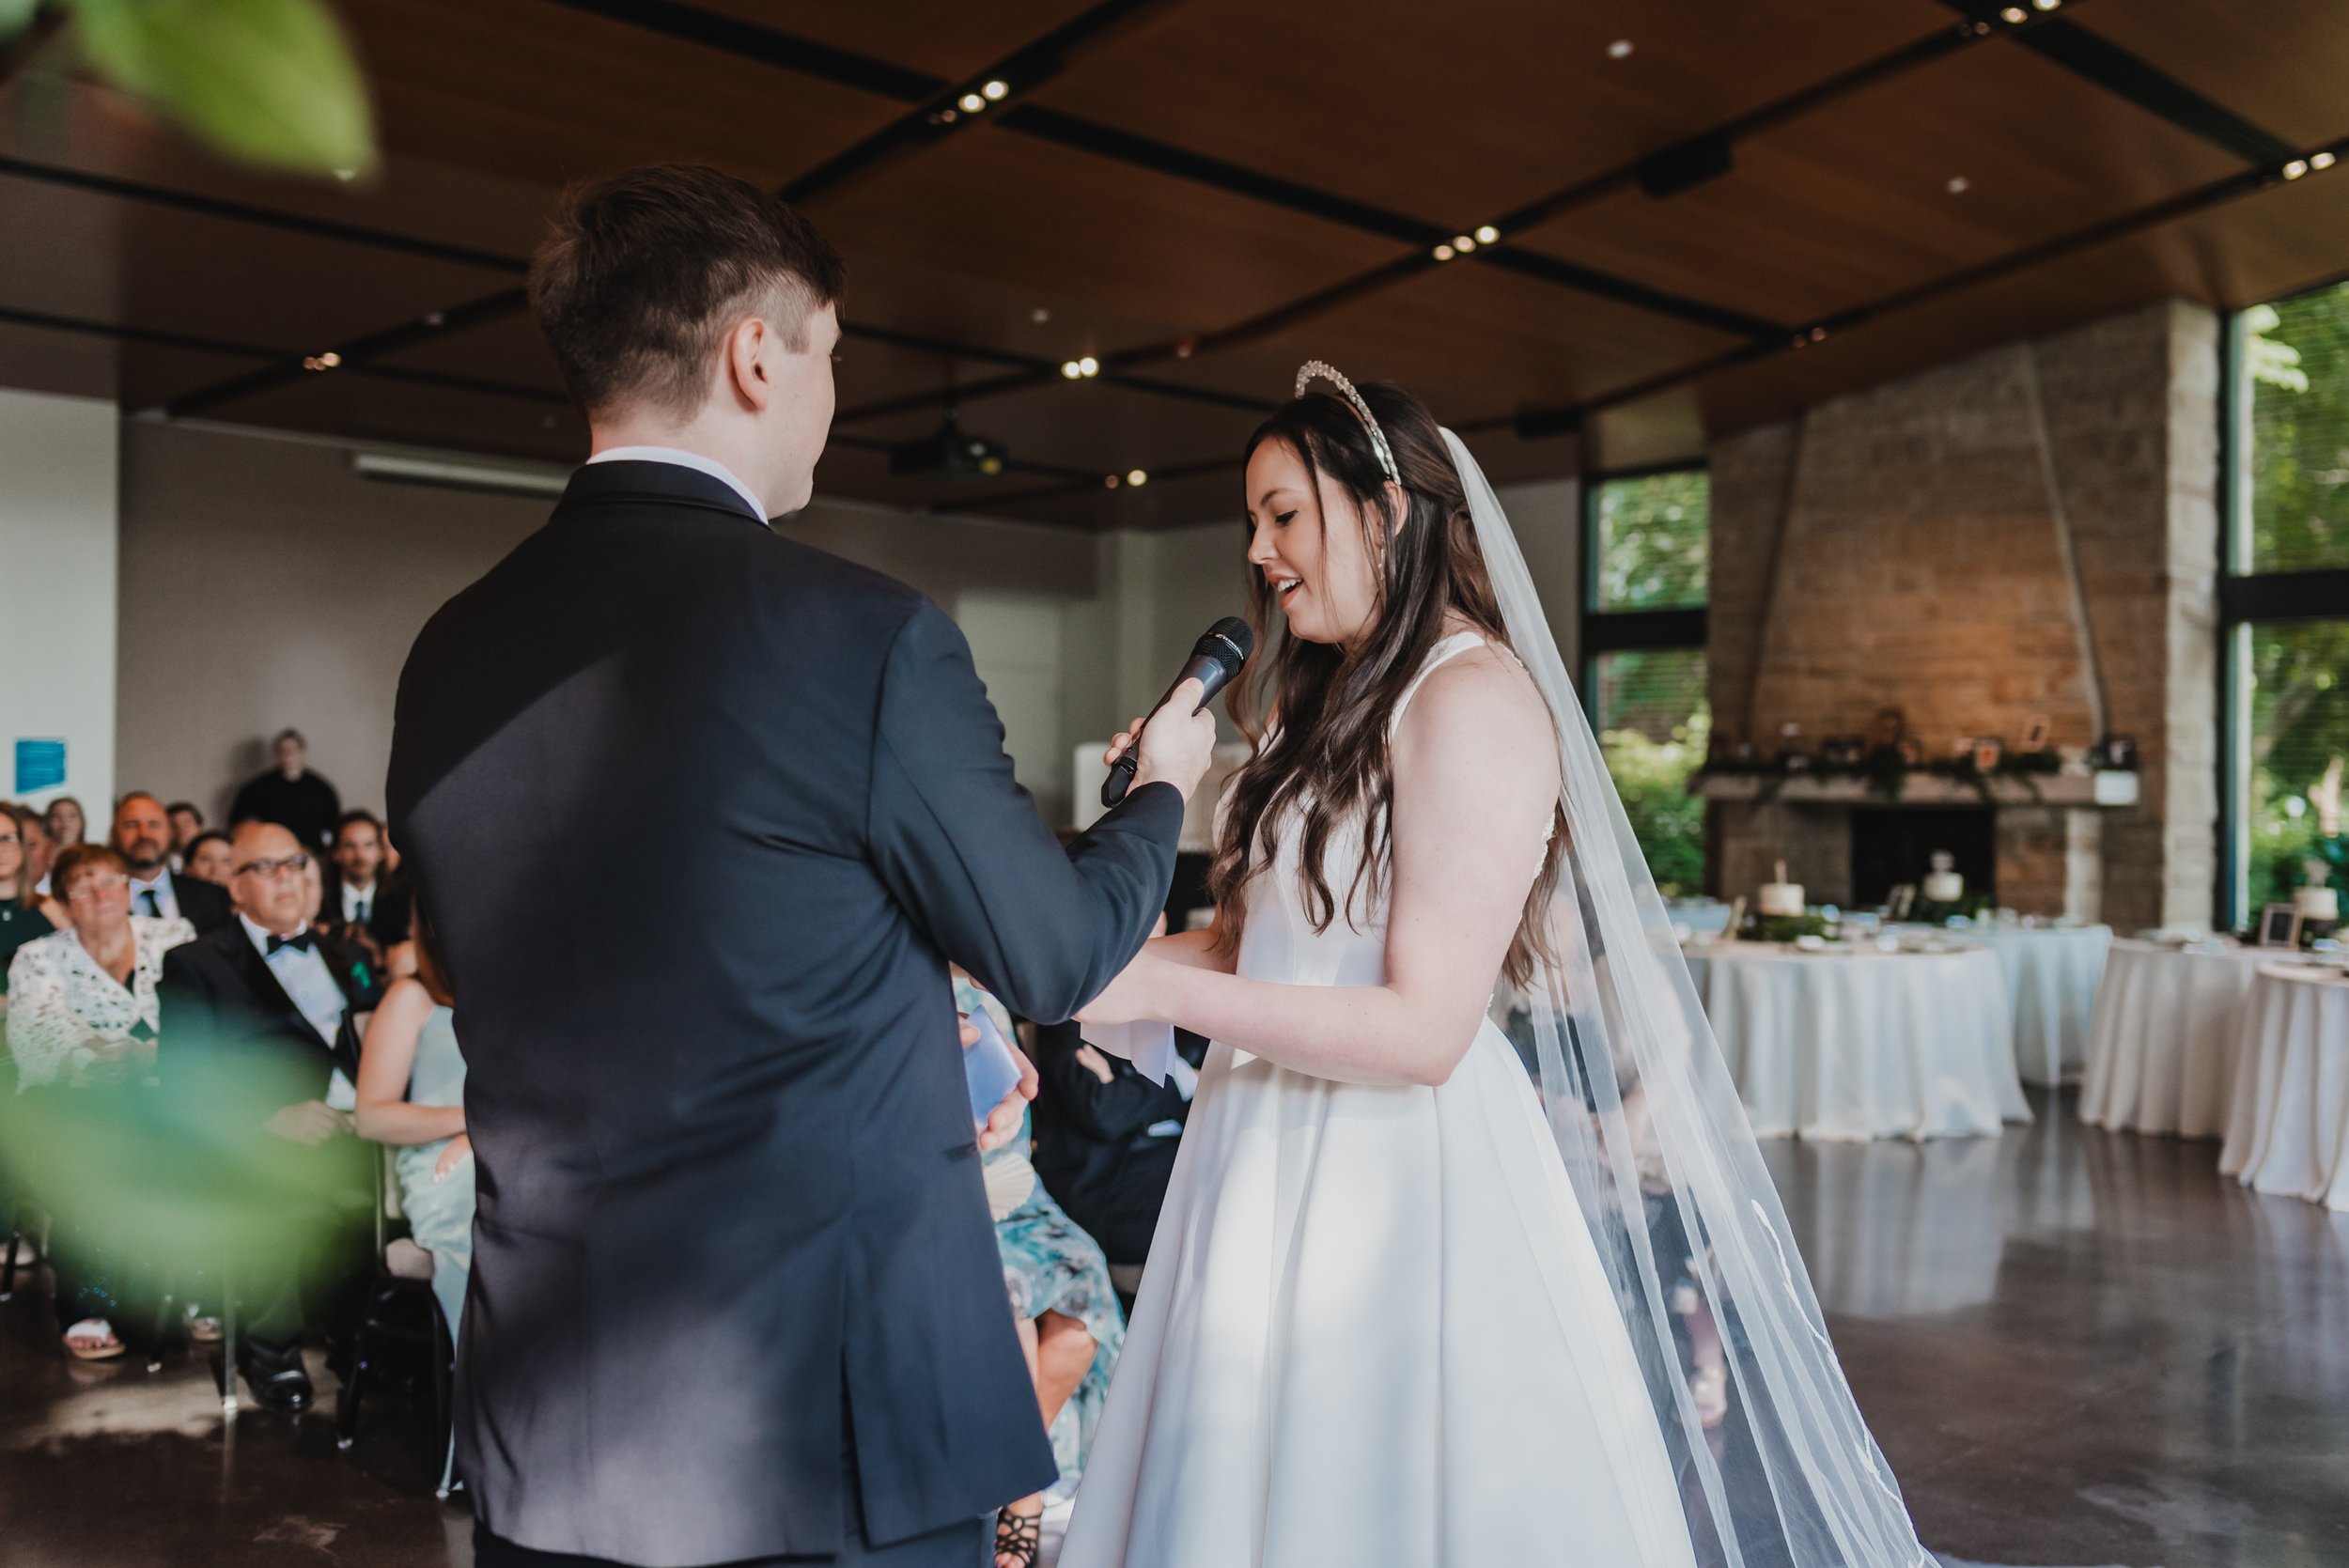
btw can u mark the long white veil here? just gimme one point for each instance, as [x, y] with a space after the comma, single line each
[1663, 1163]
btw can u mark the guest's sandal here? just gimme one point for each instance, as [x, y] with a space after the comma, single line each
[1019, 1537]
[202, 1329]
[93, 1340]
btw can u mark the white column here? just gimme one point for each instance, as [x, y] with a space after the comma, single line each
[59, 540]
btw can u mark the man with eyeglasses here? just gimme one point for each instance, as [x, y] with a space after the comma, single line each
[264, 1012]
[143, 835]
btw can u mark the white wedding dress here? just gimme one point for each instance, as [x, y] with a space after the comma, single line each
[1374, 1330]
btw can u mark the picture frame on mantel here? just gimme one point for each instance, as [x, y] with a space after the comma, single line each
[2280, 926]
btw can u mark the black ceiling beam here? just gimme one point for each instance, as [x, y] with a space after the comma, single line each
[1895, 62]
[2097, 59]
[1581, 194]
[1534, 424]
[389, 240]
[246, 212]
[754, 40]
[953, 107]
[153, 338]
[1020, 70]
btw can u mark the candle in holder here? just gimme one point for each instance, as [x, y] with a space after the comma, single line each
[1780, 897]
[1943, 885]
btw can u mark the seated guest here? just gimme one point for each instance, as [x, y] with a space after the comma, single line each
[142, 832]
[291, 796]
[364, 902]
[40, 847]
[1070, 1324]
[412, 1096]
[82, 1015]
[66, 823]
[1106, 1135]
[186, 823]
[21, 919]
[208, 858]
[270, 1004]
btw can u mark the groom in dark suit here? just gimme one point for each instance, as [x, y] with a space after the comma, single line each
[735, 1295]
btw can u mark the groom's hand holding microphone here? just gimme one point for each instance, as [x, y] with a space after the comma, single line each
[1177, 741]
[1176, 746]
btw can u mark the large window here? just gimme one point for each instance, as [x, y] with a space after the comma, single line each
[2285, 597]
[1643, 656]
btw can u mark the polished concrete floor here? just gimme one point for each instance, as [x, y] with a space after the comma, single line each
[2077, 1348]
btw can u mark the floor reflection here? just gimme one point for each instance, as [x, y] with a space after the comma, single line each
[2075, 1347]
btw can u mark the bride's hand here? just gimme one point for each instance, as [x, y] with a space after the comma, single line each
[1128, 998]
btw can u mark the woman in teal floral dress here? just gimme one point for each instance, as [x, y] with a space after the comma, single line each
[1071, 1323]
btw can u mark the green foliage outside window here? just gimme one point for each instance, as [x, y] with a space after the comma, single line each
[2296, 365]
[1653, 542]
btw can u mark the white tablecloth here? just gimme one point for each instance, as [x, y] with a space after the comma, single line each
[2051, 977]
[2161, 1050]
[2288, 1131]
[1867, 1045]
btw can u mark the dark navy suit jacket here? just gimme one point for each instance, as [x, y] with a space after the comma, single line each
[700, 814]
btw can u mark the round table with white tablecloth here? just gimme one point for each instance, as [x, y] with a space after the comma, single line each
[1857, 1044]
[2288, 1129]
[2052, 973]
[2161, 1046]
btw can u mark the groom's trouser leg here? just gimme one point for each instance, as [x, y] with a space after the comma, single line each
[962, 1546]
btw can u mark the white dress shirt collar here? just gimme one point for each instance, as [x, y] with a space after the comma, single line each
[161, 886]
[695, 460]
[260, 935]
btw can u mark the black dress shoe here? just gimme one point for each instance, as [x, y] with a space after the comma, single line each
[288, 1389]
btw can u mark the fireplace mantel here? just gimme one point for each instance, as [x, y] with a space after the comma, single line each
[2110, 788]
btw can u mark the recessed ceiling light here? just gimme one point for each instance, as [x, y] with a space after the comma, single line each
[1137, 476]
[2015, 16]
[2321, 161]
[1442, 253]
[1486, 235]
[1110, 481]
[1040, 315]
[995, 90]
[2295, 169]
[1462, 243]
[2046, 5]
[1619, 50]
[1959, 185]
[1071, 369]
[972, 104]
[1088, 366]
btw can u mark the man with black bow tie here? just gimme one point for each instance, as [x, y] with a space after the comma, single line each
[263, 1014]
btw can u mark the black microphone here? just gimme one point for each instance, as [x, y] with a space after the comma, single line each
[1215, 659]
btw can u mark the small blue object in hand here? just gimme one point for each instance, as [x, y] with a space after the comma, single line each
[989, 1068]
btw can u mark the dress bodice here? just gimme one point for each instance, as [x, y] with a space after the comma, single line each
[1279, 941]
[437, 1077]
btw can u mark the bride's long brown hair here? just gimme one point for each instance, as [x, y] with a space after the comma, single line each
[1317, 714]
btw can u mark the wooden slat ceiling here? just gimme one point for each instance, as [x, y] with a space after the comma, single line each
[1202, 193]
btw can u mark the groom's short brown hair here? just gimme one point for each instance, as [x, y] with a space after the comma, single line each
[645, 271]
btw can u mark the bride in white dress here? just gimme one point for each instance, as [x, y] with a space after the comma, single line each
[1406, 1306]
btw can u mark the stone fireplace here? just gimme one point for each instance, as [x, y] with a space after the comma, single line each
[2029, 531]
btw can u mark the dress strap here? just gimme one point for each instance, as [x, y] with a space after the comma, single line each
[1443, 652]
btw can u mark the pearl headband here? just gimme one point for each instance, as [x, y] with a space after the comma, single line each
[1319, 370]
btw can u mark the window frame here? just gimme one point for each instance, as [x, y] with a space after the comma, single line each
[1604, 631]
[2245, 599]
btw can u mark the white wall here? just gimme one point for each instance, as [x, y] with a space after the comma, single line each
[59, 461]
[263, 584]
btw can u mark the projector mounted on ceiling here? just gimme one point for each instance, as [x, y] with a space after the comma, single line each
[947, 453]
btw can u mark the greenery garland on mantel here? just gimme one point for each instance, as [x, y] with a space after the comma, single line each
[1885, 772]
